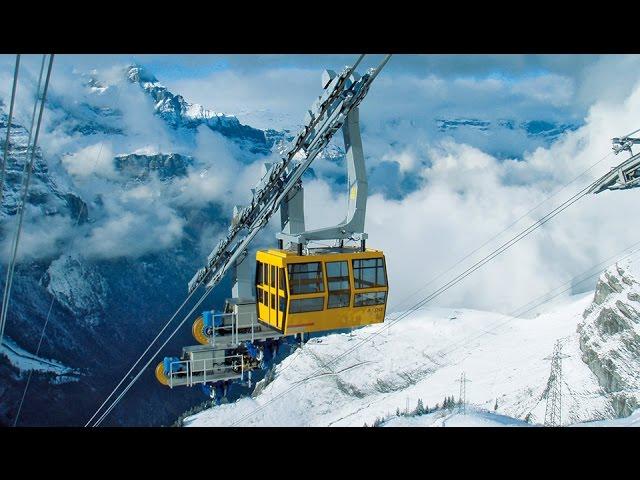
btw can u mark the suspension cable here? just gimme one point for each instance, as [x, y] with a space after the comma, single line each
[166, 325]
[46, 322]
[155, 354]
[28, 168]
[10, 119]
[208, 290]
[444, 272]
[445, 350]
[505, 246]
[518, 314]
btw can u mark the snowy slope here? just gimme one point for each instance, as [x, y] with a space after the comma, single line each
[455, 418]
[422, 357]
[26, 361]
[482, 418]
[632, 420]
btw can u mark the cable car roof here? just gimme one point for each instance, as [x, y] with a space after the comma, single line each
[291, 254]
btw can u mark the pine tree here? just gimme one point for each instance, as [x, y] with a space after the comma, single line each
[495, 407]
[397, 411]
[419, 407]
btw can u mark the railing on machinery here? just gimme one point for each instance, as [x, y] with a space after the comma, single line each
[187, 368]
[235, 326]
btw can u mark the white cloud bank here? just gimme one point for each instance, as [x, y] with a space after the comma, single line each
[469, 196]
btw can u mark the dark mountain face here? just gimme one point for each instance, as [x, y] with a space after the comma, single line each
[103, 312]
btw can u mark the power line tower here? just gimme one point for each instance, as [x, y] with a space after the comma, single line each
[553, 411]
[463, 393]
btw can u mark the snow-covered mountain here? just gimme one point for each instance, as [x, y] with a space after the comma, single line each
[610, 336]
[103, 310]
[422, 357]
[534, 128]
[179, 113]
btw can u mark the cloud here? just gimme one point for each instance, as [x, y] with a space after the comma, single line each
[264, 99]
[434, 196]
[554, 89]
[41, 238]
[468, 196]
[135, 222]
[94, 159]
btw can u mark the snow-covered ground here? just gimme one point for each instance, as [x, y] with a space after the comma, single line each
[632, 420]
[422, 356]
[482, 418]
[26, 361]
[455, 418]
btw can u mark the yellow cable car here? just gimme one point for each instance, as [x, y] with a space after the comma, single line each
[326, 290]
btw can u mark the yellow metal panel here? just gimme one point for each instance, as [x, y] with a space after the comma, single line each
[335, 318]
[327, 319]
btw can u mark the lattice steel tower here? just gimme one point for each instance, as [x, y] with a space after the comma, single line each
[553, 412]
[463, 392]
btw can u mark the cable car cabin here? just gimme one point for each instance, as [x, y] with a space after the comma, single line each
[326, 290]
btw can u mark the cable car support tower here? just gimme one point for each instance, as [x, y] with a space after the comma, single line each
[233, 342]
[625, 175]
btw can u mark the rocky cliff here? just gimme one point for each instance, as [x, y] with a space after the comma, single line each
[610, 335]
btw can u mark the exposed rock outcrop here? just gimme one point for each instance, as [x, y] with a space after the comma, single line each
[610, 336]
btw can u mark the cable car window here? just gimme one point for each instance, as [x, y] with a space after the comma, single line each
[338, 284]
[305, 278]
[337, 276]
[273, 276]
[265, 274]
[259, 273]
[369, 273]
[283, 307]
[273, 301]
[281, 279]
[306, 305]
[339, 300]
[366, 299]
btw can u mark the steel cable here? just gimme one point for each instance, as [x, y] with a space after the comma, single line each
[9, 120]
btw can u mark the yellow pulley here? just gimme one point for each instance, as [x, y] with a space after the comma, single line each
[198, 331]
[160, 376]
